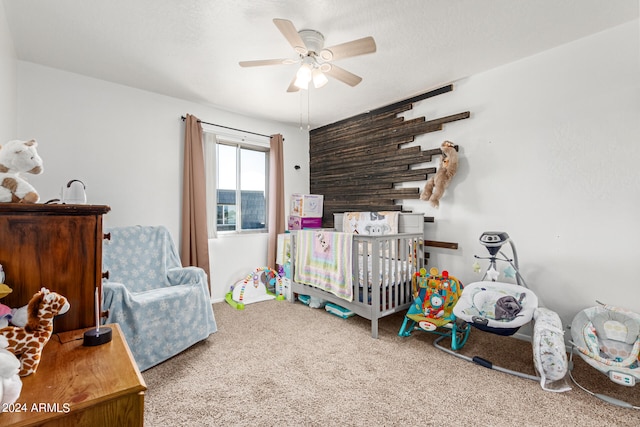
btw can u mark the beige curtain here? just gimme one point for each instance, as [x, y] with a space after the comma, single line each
[276, 197]
[194, 247]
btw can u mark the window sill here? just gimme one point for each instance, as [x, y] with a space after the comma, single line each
[227, 234]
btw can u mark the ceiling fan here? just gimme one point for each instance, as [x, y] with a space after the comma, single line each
[314, 58]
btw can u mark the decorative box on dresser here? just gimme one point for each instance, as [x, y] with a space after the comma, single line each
[55, 246]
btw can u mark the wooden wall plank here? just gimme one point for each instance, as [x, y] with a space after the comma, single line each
[357, 163]
[437, 244]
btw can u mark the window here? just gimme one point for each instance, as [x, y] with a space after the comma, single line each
[237, 185]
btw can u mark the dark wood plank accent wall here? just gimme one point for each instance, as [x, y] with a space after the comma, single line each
[357, 162]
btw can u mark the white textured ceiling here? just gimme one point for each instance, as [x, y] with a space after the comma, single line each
[190, 49]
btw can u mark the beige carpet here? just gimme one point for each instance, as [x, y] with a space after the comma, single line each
[277, 363]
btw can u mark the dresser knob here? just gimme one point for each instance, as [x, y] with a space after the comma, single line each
[106, 236]
[105, 275]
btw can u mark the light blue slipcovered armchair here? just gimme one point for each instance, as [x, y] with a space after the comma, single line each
[161, 307]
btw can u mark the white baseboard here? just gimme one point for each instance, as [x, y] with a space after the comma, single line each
[523, 337]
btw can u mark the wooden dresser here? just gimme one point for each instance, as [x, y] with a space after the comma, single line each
[81, 386]
[58, 247]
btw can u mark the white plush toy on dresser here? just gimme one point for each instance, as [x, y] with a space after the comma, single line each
[10, 382]
[17, 157]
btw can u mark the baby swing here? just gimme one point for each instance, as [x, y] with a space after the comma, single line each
[435, 296]
[492, 306]
[608, 339]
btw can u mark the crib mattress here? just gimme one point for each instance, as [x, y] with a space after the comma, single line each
[391, 271]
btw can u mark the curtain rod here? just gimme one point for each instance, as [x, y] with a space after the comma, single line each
[227, 127]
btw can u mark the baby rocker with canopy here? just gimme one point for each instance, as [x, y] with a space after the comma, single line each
[502, 308]
[608, 339]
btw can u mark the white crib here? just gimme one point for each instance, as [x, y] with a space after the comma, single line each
[383, 265]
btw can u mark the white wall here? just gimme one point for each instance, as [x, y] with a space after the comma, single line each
[550, 155]
[126, 146]
[7, 82]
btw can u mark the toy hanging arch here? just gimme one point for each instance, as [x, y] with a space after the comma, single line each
[263, 284]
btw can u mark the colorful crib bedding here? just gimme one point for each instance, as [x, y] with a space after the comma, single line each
[323, 260]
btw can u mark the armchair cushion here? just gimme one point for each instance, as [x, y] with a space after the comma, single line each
[161, 307]
[140, 257]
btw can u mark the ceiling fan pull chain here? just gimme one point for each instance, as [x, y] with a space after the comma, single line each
[308, 109]
[301, 110]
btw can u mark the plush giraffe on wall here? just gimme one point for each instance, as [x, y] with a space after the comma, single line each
[27, 342]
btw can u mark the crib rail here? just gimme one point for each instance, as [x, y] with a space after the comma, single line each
[392, 266]
[382, 270]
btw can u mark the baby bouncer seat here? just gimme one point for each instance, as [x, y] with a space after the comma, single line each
[608, 339]
[435, 295]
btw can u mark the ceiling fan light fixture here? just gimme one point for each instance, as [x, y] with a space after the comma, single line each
[319, 79]
[313, 57]
[303, 76]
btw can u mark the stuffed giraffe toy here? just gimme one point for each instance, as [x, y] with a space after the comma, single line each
[27, 342]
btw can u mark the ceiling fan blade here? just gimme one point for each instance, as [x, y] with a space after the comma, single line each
[341, 74]
[261, 62]
[292, 87]
[345, 50]
[290, 33]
